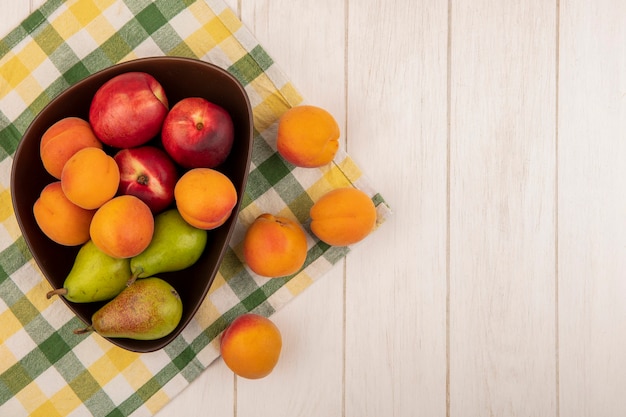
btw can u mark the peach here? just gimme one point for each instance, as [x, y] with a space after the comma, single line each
[62, 140]
[274, 246]
[251, 345]
[122, 227]
[90, 178]
[60, 219]
[308, 136]
[205, 197]
[343, 216]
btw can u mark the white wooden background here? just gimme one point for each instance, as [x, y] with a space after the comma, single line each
[496, 130]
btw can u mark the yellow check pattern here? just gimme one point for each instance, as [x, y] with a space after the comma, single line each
[46, 370]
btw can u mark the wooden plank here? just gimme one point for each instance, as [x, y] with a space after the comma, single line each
[502, 208]
[306, 40]
[396, 280]
[13, 12]
[592, 208]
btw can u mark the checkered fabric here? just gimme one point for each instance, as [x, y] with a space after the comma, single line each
[45, 369]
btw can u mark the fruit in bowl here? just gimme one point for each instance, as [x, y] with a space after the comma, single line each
[180, 78]
[128, 110]
[198, 133]
[149, 174]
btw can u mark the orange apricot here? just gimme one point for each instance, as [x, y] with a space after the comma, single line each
[205, 198]
[62, 140]
[343, 216]
[308, 136]
[90, 178]
[122, 227]
[251, 345]
[60, 219]
[274, 246]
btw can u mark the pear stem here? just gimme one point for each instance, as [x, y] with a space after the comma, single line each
[58, 291]
[134, 277]
[84, 330]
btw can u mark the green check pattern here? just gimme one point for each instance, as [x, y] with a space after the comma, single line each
[47, 370]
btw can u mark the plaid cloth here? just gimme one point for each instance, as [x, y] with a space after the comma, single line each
[45, 369]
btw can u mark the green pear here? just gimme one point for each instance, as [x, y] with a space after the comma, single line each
[175, 245]
[95, 276]
[146, 310]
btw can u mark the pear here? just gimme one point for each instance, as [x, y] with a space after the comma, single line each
[175, 245]
[146, 310]
[95, 276]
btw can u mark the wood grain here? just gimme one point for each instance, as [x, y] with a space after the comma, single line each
[502, 209]
[13, 12]
[396, 281]
[592, 209]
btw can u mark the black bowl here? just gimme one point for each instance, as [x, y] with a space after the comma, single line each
[180, 77]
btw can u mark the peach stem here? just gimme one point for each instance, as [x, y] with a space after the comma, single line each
[143, 179]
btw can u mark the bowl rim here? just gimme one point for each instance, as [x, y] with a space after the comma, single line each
[128, 66]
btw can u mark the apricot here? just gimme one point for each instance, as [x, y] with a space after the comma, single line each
[205, 197]
[251, 345]
[61, 220]
[90, 178]
[308, 136]
[343, 216]
[274, 246]
[62, 140]
[122, 227]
